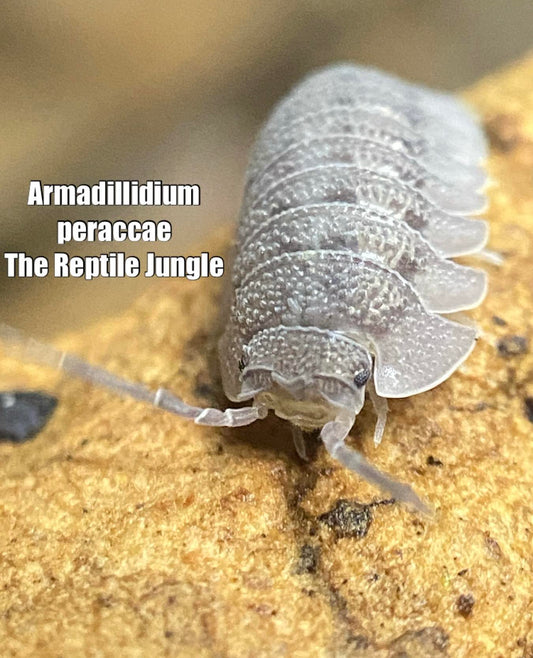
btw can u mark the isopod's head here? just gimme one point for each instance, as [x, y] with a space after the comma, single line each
[306, 375]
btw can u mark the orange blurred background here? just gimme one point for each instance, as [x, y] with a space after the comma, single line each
[176, 91]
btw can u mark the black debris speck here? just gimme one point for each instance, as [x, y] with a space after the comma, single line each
[348, 518]
[23, 414]
[308, 560]
[499, 321]
[512, 345]
[464, 604]
[528, 404]
[432, 461]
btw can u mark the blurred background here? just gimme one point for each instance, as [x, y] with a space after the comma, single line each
[176, 91]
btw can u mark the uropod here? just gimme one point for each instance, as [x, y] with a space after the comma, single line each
[360, 189]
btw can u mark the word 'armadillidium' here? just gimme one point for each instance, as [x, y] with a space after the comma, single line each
[359, 191]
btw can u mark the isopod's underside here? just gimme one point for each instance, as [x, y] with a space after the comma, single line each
[360, 189]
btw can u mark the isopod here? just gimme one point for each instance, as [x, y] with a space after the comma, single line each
[360, 189]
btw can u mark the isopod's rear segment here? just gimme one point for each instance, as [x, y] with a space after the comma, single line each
[359, 190]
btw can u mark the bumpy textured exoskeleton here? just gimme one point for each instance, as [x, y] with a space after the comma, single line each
[358, 193]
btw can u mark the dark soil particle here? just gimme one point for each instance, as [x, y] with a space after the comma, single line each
[348, 518]
[512, 345]
[528, 404]
[500, 322]
[464, 604]
[308, 561]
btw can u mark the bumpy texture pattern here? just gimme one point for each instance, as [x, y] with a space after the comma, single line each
[339, 291]
[337, 228]
[441, 284]
[273, 349]
[126, 531]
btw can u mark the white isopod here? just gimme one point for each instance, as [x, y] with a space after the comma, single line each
[357, 194]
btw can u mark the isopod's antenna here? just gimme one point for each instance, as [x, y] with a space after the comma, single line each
[29, 349]
[333, 435]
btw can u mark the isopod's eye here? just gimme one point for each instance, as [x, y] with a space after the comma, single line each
[243, 362]
[362, 377]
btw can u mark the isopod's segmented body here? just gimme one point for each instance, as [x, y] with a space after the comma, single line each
[359, 190]
[358, 193]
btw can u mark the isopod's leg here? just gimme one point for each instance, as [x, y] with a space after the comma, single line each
[333, 435]
[299, 442]
[208, 416]
[32, 350]
[381, 408]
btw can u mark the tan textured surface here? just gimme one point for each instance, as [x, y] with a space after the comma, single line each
[126, 531]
